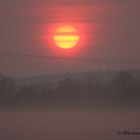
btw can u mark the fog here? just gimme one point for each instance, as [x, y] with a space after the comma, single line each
[70, 124]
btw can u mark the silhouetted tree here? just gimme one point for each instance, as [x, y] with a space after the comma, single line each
[124, 82]
[7, 90]
[124, 87]
[66, 89]
[93, 87]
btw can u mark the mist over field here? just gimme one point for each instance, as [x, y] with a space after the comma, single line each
[68, 124]
[73, 106]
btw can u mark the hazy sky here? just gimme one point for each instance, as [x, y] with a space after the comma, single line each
[111, 29]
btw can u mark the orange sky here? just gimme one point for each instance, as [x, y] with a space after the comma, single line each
[109, 29]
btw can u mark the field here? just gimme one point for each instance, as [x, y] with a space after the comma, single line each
[68, 124]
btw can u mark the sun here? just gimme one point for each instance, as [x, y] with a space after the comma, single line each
[66, 37]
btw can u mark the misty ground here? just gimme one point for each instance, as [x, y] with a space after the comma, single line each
[67, 124]
[71, 109]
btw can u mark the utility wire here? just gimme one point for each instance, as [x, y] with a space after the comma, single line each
[70, 58]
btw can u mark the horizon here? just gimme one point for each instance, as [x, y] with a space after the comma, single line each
[70, 73]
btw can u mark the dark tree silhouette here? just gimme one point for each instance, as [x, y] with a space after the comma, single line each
[66, 89]
[124, 82]
[122, 89]
[7, 90]
[93, 87]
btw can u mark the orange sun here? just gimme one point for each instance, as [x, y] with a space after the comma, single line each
[66, 37]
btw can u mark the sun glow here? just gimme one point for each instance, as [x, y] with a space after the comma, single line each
[66, 37]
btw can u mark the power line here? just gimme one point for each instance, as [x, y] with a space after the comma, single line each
[71, 58]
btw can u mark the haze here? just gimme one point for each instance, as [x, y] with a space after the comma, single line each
[110, 26]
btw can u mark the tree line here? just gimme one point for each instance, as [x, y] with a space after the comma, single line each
[123, 90]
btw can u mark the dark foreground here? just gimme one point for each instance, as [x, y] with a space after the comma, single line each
[72, 124]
